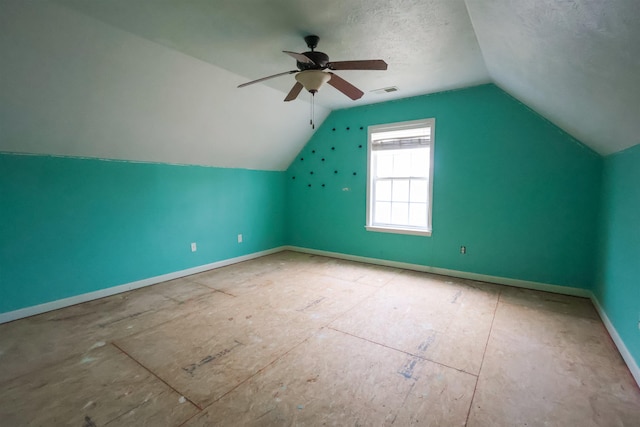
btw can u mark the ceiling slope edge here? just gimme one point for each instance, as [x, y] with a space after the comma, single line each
[87, 89]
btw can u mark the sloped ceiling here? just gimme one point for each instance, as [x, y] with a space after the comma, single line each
[74, 86]
[429, 45]
[576, 62]
[155, 80]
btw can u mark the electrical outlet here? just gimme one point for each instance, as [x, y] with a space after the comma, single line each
[194, 247]
[463, 250]
[239, 238]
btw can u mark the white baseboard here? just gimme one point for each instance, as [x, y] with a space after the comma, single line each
[565, 290]
[622, 348]
[54, 305]
[66, 302]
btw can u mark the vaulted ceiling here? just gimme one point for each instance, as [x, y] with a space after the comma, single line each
[576, 62]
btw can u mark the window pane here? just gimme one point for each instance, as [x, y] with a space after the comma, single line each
[383, 191]
[400, 175]
[382, 213]
[419, 190]
[384, 164]
[400, 191]
[400, 213]
[418, 214]
[420, 162]
[402, 164]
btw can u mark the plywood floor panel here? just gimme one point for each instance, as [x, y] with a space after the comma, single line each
[103, 387]
[576, 307]
[318, 297]
[51, 337]
[233, 277]
[549, 349]
[208, 353]
[295, 261]
[445, 323]
[577, 338]
[337, 379]
[299, 339]
[374, 275]
[533, 385]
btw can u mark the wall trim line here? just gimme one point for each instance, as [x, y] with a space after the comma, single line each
[556, 289]
[10, 316]
[617, 340]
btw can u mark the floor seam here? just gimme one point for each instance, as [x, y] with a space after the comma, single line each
[155, 375]
[251, 376]
[403, 351]
[352, 308]
[484, 353]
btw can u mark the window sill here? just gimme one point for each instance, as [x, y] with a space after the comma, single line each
[398, 230]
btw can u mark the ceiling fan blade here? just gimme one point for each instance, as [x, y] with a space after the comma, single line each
[267, 78]
[294, 92]
[300, 57]
[345, 87]
[368, 64]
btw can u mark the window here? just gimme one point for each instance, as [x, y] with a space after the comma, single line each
[400, 177]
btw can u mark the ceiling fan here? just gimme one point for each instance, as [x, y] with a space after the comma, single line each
[312, 71]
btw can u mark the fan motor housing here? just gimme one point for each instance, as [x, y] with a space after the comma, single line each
[321, 60]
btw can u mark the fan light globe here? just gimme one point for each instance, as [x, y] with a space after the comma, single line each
[312, 79]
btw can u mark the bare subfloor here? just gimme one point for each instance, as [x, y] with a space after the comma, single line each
[296, 339]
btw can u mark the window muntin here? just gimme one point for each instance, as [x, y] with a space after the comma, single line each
[400, 177]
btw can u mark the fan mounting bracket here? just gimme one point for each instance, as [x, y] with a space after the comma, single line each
[312, 41]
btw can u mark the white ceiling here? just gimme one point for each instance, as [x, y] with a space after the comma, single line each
[73, 86]
[163, 73]
[429, 45]
[576, 62]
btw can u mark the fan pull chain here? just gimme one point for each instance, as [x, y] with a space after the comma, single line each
[312, 118]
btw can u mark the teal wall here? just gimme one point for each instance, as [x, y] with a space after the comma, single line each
[518, 192]
[618, 287]
[70, 226]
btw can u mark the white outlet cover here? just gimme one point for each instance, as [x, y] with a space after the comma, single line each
[194, 247]
[239, 238]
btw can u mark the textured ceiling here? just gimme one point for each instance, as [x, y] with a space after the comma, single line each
[163, 73]
[577, 62]
[429, 45]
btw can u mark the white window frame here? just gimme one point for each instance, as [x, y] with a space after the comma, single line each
[413, 124]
